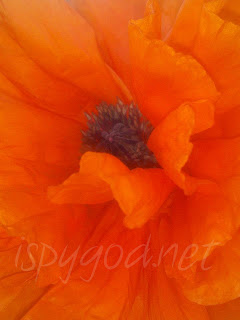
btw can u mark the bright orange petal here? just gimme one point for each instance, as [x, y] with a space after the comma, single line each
[201, 27]
[170, 142]
[81, 189]
[91, 184]
[110, 21]
[59, 69]
[158, 73]
[224, 35]
[129, 187]
[201, 223]
[204, 115]
[106, 177]
[140, 194]
[186, 23]
[216, 159]
[40, 149]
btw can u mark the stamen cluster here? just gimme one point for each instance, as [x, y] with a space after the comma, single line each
[122, 131]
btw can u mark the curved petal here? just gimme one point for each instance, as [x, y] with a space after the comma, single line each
[170, 142]
[225, 36]
[110, 21]
[129, 186]
[126, 186]
[158, 73]
[81, 189]
[59, 69]
[196, 28]
[140, 194]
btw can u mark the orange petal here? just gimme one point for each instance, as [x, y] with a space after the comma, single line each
[159, 295]
[103, 176]
[91, 184]
[110, 22]
[38, 149]
[204, 115]
[196, 28]
[229, 123]
[170, 142]
[81, 189]
[75, 299]
[140, 194]
[215, 5]
[155, 293]
[185, 27]
[224, 36]
[158, 73]
[221, 282]
[59, 69]
[211, 217]
[17, 289]
[129, 187]
[216, 159]
[199, 223]
[18, 295]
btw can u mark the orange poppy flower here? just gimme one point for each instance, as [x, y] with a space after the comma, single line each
[120, 148]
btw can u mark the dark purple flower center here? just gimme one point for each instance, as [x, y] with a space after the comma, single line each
[122, 131]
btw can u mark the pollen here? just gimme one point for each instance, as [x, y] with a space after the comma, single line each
[120, 130]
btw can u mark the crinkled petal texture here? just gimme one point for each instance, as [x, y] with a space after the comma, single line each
[59, 69]
[55, 63]
[163, 79]
[204, 164]
[211, 28]
[48, 75]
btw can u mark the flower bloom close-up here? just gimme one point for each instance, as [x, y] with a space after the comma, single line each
[120, 159]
